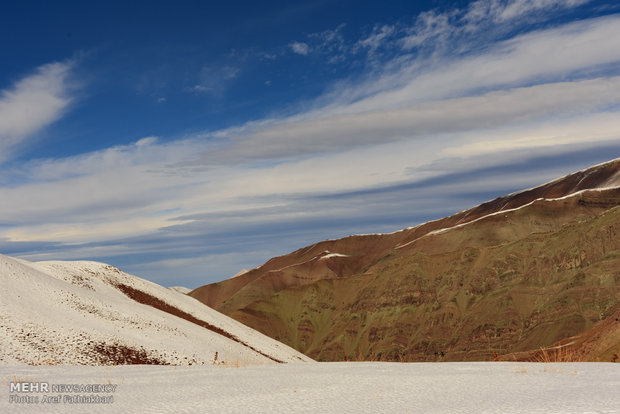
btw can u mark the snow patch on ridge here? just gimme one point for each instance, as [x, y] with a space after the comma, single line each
[239, 273]
[330, 255]
[446, 229]
[180, 289]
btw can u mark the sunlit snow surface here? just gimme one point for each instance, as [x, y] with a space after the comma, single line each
[74, 313]
[493, 387]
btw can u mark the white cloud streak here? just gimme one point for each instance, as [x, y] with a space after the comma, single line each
[531, 58]
[503, 11]
[494, 16]
[33, 103]
[493, 109]
[512, 82]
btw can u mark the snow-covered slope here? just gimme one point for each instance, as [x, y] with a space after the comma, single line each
[180, 289]
[92, 313]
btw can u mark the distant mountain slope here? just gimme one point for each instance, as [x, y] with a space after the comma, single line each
[516, 273]
[362, 251]
[92, 313]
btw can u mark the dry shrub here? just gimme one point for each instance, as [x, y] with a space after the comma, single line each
[557, 354]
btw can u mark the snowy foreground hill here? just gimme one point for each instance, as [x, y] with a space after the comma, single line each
[88, 313]
[344, 387]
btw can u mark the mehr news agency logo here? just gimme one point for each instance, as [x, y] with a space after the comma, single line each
[46, 393]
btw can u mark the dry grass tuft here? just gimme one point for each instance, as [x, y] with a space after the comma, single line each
[557, 354]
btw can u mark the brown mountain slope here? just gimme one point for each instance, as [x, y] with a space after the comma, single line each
[600, 344]
[513, 274]
[260, 283]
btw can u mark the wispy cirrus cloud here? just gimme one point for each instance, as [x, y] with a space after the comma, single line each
[502, 11]
[33, 103]
[514, 81]
[376, 39]
[435, 30]
[574, 50]
[486, 18]
[214, 79]
[328, 43]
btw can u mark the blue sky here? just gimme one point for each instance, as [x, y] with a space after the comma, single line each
[185, 141]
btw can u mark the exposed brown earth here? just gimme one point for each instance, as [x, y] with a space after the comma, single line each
[146, 299]
[115, 354]
[503, 279]
[599, 343]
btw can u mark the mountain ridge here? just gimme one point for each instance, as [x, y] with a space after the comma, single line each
[546, 209]
[601, 175]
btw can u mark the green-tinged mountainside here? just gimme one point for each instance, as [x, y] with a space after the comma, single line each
[511, 276]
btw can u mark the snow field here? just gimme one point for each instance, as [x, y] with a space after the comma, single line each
[366, 387]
